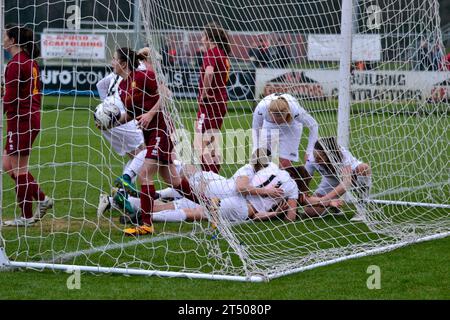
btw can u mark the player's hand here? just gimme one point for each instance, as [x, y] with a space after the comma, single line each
[144, 120]
[306, 157]
[206, 96]
[274, 192]
[336, 203]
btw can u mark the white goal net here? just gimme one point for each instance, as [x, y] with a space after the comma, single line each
[396, 119]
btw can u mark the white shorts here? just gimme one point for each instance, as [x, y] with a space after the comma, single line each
[233, 209]
[327, 184]
[125, 138]
[184, 203]
[288, 140]
[212, 185]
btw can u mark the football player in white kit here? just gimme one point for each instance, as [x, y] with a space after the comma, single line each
[340, 172]
[282, 115]
[257, 191]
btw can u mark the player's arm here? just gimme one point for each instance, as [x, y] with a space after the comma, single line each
[103, 86]
[151, 88]
[291, 210]
[313, 127]
[11, 97]
[257, 123]
[244, 187]
[346, 182]
[321, 201]
[262, 216]
[207, 83]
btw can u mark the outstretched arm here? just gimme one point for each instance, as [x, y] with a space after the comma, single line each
[308, 121]
[346, 176]
[257, 123]
[244, 187]
[145, 118]
[207, 83]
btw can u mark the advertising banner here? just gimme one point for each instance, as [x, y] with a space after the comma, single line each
[316, 84]
[73, 46]
[182, 81]
[71, 80]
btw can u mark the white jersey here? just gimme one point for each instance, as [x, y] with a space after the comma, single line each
[126, 137]
[329, 180]
[271, 177]
[289, 135]
[216, 186]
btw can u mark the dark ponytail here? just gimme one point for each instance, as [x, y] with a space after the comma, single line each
[130, 57]
[219, 36]
[261, 158]
[331, 149]
[24, 38]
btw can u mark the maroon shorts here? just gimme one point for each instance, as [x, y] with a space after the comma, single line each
[21, 133]
[159, 145]
[210, 116]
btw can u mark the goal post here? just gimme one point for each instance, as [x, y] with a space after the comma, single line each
[370, 73]
[343, 124]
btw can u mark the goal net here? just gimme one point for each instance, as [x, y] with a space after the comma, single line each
[396, 122]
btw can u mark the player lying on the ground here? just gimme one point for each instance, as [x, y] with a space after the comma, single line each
[282, 114]
[259, 192]
[340, 172]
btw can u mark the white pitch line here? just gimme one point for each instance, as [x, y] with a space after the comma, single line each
[70, 255]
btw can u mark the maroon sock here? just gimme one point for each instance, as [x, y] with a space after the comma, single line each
[185, 189]
[24, 195]
[36, 191]
[214, 167]
[147, 195]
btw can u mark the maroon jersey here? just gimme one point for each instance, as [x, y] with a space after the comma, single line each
[22, 104]
[139, 94]
[217, 59]
[22, 87]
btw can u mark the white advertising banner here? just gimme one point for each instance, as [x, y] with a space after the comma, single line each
[392, 86]
[328, 47]
[73, 46]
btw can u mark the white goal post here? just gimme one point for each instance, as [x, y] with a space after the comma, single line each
[389, 108]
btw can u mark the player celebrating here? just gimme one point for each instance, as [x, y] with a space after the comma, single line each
[212, 95]
[139, 94]
[126, 139]
[22, 106]
[340, 171]
[282, 113]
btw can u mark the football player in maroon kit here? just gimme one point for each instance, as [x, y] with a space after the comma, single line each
[139, 93]
[212, 95]
[22, 108]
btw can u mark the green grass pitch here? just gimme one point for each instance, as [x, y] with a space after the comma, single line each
[73, 163]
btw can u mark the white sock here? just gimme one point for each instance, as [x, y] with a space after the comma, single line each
[133, 167]
[169, 193]
[135, 203]
[176, 215]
